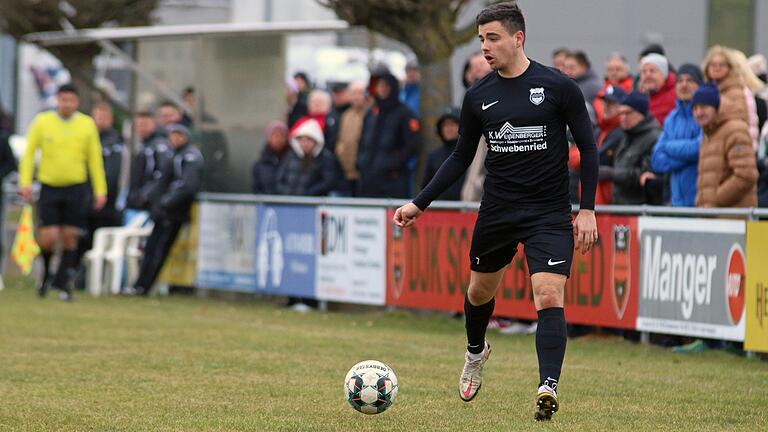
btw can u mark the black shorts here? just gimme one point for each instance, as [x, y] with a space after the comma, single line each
[547, 235]
[64, 206]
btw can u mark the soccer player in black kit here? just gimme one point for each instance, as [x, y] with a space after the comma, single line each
[523, 109]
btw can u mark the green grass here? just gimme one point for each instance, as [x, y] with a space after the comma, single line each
[184, 364]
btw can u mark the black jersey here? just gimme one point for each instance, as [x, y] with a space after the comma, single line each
[524, 122]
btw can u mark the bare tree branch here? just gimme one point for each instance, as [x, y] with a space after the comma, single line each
[428, 28]
[465, 34]
[21, 17]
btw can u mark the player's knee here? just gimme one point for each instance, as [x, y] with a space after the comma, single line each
[47, 237]
[549, 297]
[479, 295]
[70, 239]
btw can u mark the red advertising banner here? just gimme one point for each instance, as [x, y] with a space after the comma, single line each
[428, 268]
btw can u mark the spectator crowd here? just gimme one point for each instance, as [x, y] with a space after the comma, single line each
[692, 135]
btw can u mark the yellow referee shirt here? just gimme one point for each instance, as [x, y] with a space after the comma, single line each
[70, 152]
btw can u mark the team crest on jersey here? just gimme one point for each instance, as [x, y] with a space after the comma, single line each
[537, 95]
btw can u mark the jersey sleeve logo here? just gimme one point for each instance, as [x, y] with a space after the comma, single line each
[537, 95]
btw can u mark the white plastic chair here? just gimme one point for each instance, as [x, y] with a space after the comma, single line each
[109, 247]
[114, 259]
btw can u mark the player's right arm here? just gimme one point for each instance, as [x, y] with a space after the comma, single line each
[27, 165]
[470, 130]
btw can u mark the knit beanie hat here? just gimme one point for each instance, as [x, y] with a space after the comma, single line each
[657, 60]
[707, 94]
[637, 101]
[691, 70]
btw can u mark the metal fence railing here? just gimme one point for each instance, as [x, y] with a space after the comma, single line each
[636, 210]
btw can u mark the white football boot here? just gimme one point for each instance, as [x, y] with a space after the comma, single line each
[546, 403]
[472, 374]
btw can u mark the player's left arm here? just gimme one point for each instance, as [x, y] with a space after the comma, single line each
[585, 225]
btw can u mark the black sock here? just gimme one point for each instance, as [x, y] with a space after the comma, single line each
[550, 345]
[68, 260]
[477, 318]
[46, 264]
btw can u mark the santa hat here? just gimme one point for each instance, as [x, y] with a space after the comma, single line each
[308, 128]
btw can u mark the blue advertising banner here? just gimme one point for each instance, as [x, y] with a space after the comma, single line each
[227, 247]
[286, 247]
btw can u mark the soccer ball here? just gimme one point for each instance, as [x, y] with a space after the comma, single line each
[370, 387]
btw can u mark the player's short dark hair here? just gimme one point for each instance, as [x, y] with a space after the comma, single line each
[561, 50]
[508, 14]
[144, 113]
[68, 88]
[581, 58]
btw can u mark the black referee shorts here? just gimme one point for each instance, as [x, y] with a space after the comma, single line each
[64, 206]
[547, 235]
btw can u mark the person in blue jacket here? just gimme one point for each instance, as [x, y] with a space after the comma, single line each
[677, 151]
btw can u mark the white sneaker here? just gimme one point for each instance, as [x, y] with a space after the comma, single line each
[472, 374]
[516, 328]
[546, 403]
[301, 308]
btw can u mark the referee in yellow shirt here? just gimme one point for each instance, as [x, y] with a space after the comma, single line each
[69, 155]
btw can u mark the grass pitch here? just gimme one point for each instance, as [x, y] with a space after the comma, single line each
[186, 364]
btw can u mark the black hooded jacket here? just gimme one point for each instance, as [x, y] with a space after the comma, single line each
[264, 172]
[112, 149]
[439, 155]
[145, 170]
[389, 144]
[180, 181]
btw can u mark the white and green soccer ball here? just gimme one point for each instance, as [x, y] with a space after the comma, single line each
[370, 387]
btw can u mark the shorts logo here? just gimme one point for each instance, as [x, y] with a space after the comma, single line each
[537, 95]
[554, 263]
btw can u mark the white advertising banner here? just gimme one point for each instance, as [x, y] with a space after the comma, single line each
[227, 246]
[351, 265]
[692, 278]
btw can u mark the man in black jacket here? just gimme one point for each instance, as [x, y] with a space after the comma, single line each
[448, 131]
[152, 154]
[389, 144]
[181, 178]
[113, 148]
